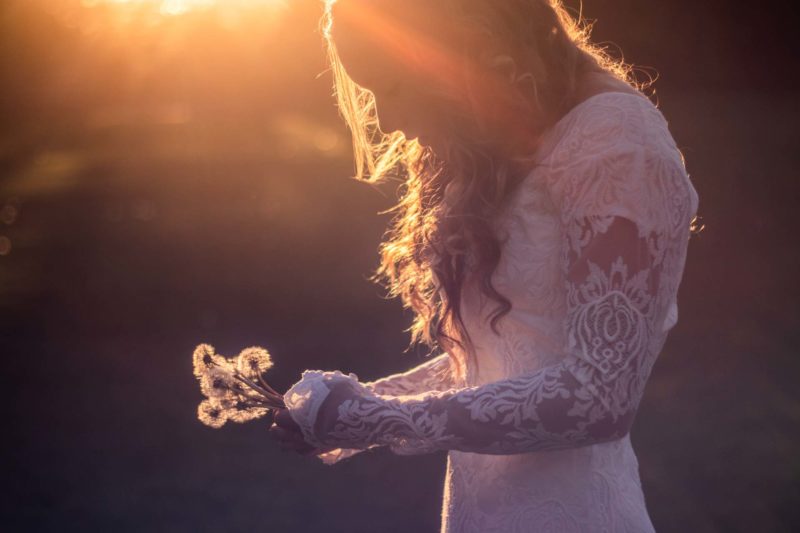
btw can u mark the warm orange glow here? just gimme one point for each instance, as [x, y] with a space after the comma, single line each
[179, 7]
[134, 20]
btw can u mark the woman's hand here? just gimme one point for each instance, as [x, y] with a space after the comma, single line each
[288, 434]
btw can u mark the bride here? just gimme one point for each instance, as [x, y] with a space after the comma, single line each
[540, 240]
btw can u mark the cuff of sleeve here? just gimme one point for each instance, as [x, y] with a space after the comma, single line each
[304, 399]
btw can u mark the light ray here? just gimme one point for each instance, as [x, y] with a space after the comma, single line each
[451, 70]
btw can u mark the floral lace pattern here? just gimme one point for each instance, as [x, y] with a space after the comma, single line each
[598, 238]
[431, 375]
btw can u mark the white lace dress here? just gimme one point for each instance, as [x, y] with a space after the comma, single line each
[538, 433]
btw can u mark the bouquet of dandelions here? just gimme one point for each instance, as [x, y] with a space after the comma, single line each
[235, 389]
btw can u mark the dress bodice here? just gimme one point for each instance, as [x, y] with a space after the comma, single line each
[530, 271]
[529, 275]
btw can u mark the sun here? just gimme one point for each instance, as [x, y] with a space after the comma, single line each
[179, 7]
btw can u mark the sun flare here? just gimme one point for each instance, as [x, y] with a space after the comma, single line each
[179, 7]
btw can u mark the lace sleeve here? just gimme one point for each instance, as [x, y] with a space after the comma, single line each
[625, 217]
[432, 375]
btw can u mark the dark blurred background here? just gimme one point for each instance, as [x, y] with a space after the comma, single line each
[175, 172]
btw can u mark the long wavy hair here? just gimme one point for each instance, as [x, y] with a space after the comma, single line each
[509, 70]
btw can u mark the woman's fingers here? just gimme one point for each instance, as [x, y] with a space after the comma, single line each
[285, 435]
[289, 439]
[285, 420]
[286, 431]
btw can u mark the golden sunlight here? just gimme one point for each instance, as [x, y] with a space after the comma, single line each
[179, 7]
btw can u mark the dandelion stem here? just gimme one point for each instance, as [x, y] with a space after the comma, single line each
[256, 387]
[266, 386]
[237, 375]
[257, 401]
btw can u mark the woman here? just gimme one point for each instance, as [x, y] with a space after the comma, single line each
[540, 241]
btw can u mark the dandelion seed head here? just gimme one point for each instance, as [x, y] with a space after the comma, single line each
[212, 413]
[217, 383]
[203, 359]
[253, 361]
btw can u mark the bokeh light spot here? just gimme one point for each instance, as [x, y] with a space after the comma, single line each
[5, 245]
[9, 214]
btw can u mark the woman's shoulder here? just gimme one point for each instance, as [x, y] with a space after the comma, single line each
[605, 122]
[613, 154]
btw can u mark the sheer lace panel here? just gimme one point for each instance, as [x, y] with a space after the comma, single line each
[432, 375]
